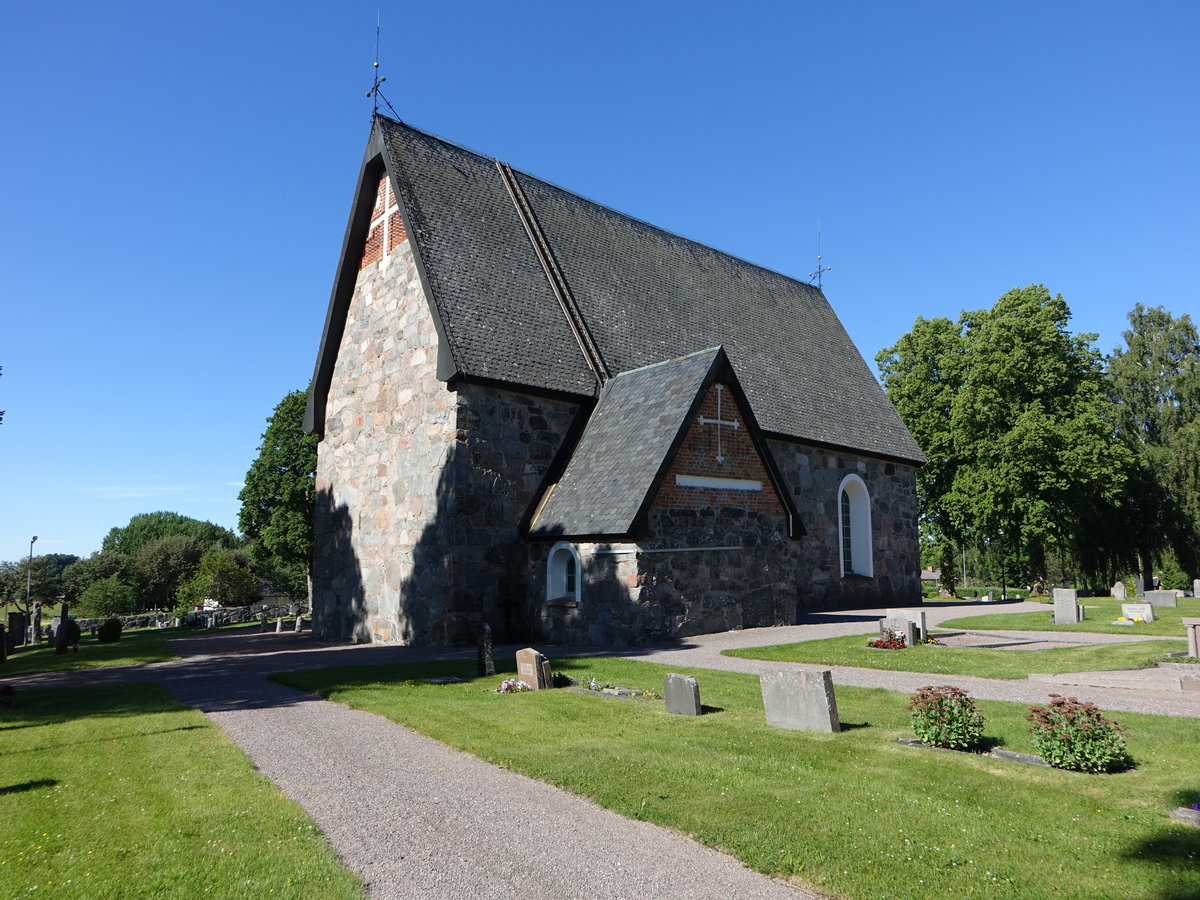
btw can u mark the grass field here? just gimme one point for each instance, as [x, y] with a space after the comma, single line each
[123, 792]
[853, 814]
[979, 661]
[1166, 619]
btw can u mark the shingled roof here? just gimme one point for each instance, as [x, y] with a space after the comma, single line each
[630, 439]
[646, 295]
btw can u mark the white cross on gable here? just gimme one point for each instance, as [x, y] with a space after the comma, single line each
[386, 201]
[718, 421]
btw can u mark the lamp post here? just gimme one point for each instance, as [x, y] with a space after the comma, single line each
[29, 589]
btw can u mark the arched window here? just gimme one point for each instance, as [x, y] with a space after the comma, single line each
[563, 573]
[854, 527]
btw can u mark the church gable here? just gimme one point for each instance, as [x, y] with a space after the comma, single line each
[719, 463]
[669, 435]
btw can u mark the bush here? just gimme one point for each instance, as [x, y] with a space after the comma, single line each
[1074, 735]
[110, 631]
[946, 717]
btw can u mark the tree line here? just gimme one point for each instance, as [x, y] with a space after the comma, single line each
[1046, 458]
[165, 560]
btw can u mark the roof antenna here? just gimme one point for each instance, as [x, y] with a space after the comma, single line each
[821, 270]
[375, 93]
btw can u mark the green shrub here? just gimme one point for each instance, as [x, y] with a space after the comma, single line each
[1077, 736]
[110, 631]
[946, 717]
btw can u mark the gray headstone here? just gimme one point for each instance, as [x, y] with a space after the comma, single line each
[1118, 591]
[682, 695]
[533, 668]
[1143, 611]
[3, 644]
[60, 631]
[1067, 610]
[917, 617]
[1196, 588]
[906, 627]
[1162, 598]
[17, 626]
[801, 701]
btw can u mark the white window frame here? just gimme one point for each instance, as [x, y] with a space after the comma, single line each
[862, 548]
[562, 556]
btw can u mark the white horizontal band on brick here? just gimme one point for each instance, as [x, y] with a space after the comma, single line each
[725, 484]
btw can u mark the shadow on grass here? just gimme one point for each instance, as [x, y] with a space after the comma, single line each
[1171, 848]
[1187, 797]
[105, 740]
[28, 786]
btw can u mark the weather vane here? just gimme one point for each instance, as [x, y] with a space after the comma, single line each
[821, 269]
[375, 93]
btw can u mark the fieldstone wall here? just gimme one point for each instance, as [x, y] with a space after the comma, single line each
[813, 475]
[421, 489]
[718, 568]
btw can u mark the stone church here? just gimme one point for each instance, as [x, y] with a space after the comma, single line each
[541, 414]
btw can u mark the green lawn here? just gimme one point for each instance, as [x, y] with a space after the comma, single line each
[853, 814]
[122, 792]
[1166, 619]
[985, 663]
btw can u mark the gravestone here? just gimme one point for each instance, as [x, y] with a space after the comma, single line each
[1162, 598]
[800, 701]
[1067, 610]
[682, 695]
[905, 627]
[1118, 591]
[1143, 611]
[917, 617]
[61, 632]
[533, 669]
[1192, 626]
[485, 663]
[1196, 588]
[17, 624]
[3, 644]
[262, 624]
[36, 626]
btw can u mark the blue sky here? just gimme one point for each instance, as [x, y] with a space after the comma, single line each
[176, 180]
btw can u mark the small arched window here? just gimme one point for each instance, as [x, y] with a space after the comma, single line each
[563, 571]
[854, 527]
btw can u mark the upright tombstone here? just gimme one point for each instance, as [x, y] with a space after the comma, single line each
[905, 627]
[16, 630]
[917, 617]
[1118, 591]
[533, 668]
[36, 636]
[485, 663]
[682, 695]
[1143, 611]
[3, 644]
[1067, 610]
[1162, 598]
[801, 700]
[1196, 588]
[62, 631]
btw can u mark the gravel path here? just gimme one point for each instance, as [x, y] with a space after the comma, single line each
[417, 819]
